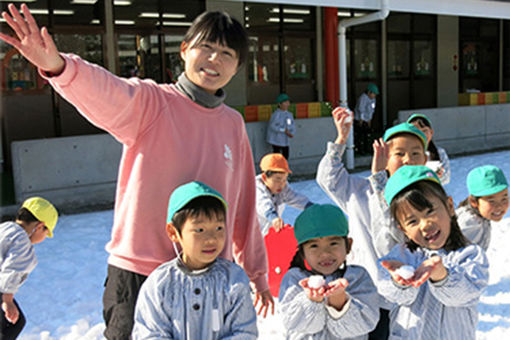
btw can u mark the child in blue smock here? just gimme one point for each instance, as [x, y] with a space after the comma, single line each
[436, 277]
[487, 201]
[345, 304]
[196, 295]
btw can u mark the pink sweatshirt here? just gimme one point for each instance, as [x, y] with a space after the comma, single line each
[168, 140]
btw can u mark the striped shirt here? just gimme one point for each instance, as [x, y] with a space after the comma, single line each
[306, 319]
[445, 310]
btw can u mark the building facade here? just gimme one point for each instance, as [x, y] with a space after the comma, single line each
[418, 60]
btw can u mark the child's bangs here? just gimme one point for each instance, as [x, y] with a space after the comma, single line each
[416, 196]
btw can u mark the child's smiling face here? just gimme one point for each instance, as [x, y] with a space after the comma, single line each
[492, 207]
[405, 149]
[429, 228]
[202, 239]
[326, 254]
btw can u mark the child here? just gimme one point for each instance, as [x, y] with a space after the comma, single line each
[437, 158]
[439, 291]
[369, 218]
[170, 134]
[196, 295]
[35, 220]
[273, 192]
[487, 201]
[363, 114]
[281, 126]
[345, 305]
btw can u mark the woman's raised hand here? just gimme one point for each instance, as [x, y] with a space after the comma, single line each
[35, 44]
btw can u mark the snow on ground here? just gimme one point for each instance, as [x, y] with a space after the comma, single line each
[62, 297]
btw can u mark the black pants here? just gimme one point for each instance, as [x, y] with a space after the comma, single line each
[284, 150]
[10, 330]
[119, 299]
[382, 330]
[363, 137]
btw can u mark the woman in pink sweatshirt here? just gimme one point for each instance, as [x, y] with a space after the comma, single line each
[171, 134]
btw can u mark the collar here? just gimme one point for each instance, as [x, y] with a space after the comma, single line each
[198, 94]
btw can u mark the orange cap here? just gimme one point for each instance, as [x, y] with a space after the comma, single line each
[274, 162]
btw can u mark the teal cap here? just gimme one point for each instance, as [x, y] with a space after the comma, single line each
[373, 88]
[419, 116]
[405, 128]
[405, 176]
[486, 180]
[320, 220]
[281, 98]
[187, 192]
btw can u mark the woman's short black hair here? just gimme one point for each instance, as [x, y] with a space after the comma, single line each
[203, 205]
[219, 27]
[416, 195]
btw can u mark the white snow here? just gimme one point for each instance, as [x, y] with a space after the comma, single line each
[62, 298]
[316, 281]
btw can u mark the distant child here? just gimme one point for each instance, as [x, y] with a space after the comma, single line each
[273, 192]
[35, 220]
[363, 114]
[281, 126]
[437, 158]
[487, 201]
[436, 277]
[321, 297]
[197, 295]
[369, 215]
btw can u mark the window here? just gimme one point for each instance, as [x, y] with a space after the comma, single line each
[479, 54]
[281, 57]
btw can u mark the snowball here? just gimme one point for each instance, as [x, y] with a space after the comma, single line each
[434, 165]
[406, 272]
[316, 281]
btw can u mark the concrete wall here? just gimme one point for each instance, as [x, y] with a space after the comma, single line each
[468, 128]
[306, 148]
[78, 172]
[71, 172]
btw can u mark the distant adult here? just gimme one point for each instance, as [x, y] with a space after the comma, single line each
[171, 134]
[281, 126]
[363, 114]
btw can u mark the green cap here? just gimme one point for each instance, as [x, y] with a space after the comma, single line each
[320, 220]
[281, 98]
[486, 180]
[187, 192]
[405, 128]
[405, 176]
[419, 116]
[373, 88]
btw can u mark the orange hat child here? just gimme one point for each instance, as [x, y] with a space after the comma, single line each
[274, 162]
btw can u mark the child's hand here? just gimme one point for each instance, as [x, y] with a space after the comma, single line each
[11, 311]
[314, 294]
[432, 268]
[343, 122]
[287, 132]
[381, 155]
[277, 224]
[392, 266]
[337, 297]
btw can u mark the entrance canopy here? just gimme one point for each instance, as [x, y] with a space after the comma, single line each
[467, 8]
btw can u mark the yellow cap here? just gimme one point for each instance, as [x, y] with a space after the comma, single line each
[44, 211]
